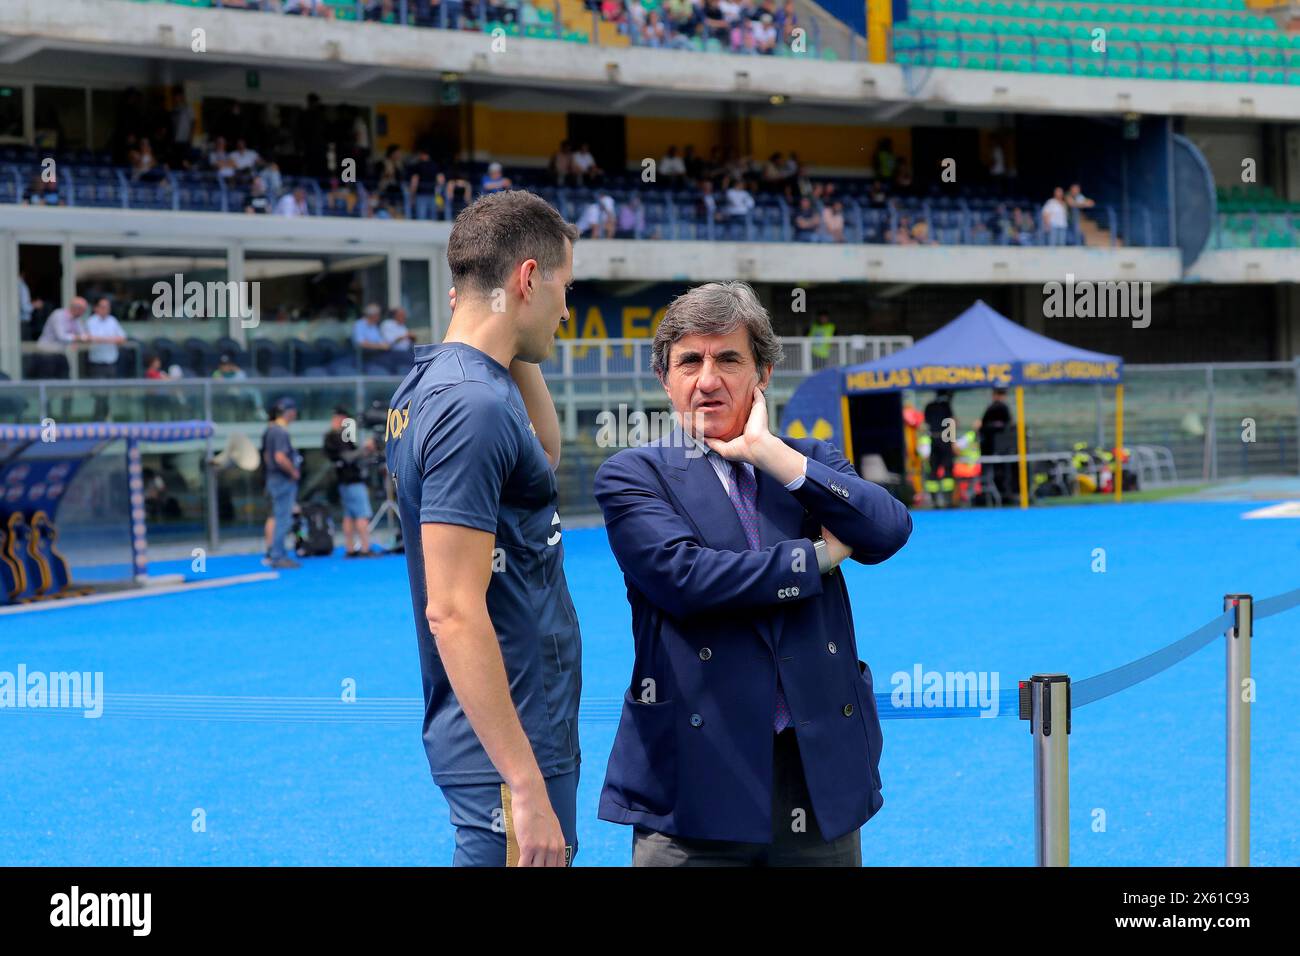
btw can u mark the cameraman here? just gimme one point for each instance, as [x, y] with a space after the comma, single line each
[346, 456]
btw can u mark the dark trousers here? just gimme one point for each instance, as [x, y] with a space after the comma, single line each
[101, 370]
[796, 839]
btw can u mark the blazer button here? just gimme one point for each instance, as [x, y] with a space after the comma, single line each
[705, 653]
[831, 647]
[696, 720]
[848, 710]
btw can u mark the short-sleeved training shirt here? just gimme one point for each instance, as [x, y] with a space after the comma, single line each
[462, 451]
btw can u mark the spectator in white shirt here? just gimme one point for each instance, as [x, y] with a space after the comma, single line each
[1055, 218]
[105, 334]
[739, 203]
[600, 218]
[672, 168]
[220, 160]
[293, 204]
[244, 158]
[395, 332]
[764, 34]
[584, 166]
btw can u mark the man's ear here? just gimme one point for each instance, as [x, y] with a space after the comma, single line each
[765, 379]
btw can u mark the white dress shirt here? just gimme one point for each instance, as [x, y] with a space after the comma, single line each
[722, 467]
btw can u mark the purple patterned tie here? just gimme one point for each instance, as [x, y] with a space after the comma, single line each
[743, 491]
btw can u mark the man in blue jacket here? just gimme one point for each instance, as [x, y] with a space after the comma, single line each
[749, 733]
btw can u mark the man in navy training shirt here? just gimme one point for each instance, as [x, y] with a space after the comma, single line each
[472, 443]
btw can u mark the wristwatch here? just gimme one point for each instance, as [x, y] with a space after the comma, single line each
[823, 555]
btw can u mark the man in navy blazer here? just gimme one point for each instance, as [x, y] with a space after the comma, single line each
[749, 733]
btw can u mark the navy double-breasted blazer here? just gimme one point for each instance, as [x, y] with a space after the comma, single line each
[714, 624]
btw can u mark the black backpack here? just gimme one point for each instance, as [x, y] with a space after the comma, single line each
[314, 531]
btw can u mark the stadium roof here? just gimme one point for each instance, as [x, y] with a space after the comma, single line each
[982, 348]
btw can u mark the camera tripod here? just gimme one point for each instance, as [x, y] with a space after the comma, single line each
[386, 514]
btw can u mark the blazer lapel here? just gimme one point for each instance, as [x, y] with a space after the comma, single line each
[702, 496]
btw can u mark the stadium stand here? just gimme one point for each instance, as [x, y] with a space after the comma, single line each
[1221, 40]
[703, 27]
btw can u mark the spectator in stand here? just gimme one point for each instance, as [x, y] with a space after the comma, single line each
[153, 368]
[394, 330]
[774, 179]
[561, 165]
[631, 219]
[612, 11]
[498, 12]
[679, 18]
[806, 221]
[707, 207]
[369, 341]
[714, 168]
[903, 176]
[182, 126]
[599, 217]
[877, 197]
[26, 306]
[245, 160]
[383, 11]
[258, 201]
[494, 181]
[1076, 200]
[585, 170]
[1025, 228]
[389, 184]
[786, 20]
[997, 161]
[764, 34]
[884, 161]
[307, 8]
[43, 192]
[144, 165]
[228, 369]
[310, 138]
[293, 204]
[1055, 218]
[833, 222]
[274, 181]
[672, 169]
[740, 202]
[105, 334]
[800, 184]
[219, 159]
[457, 183]
[694, 164]
[64, 327]
[737, 167]
[425, 185]
[654, 33]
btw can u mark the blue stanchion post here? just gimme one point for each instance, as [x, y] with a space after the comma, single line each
[1240, 695]
[1045, 703]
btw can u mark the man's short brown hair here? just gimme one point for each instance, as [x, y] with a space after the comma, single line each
[498, 231]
